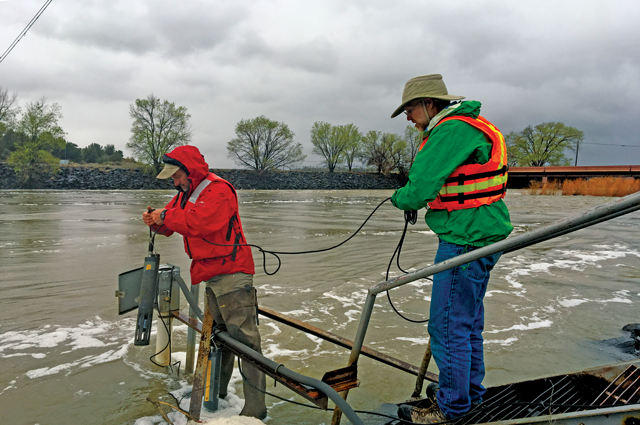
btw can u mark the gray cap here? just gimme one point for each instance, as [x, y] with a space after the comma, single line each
[430, 86]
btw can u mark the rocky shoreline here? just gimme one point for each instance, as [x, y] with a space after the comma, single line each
[110, 178]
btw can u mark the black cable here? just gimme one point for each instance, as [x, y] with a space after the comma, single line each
[178, 363]
[276, 253]
[309, 405]
[24, 31]
[409, 217]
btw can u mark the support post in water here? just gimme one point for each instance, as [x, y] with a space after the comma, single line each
[358, 342]
[199, 376]
[213, 378]
[423, 372]
[191, 334]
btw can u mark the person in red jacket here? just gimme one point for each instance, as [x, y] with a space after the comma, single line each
[205, 213]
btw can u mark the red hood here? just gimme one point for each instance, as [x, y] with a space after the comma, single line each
[190, 160]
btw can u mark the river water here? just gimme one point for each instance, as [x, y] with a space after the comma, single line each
[67, 357]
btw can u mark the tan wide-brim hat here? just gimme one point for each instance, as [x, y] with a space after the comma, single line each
[168, 171]
[430, 86]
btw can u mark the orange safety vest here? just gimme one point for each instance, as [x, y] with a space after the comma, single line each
[474, 185]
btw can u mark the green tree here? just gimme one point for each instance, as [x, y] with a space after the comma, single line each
[385, 151]
[112, 155]
[8, 143]
[542, 145]
[42, 133]
[413, 138]
[93, 153]
[158, 126]
[326, 142]
[353, 142]
[262, 144]
[69, 151]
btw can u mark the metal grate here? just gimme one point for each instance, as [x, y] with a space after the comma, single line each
[529, 400]
[622, 390]
[559, 394]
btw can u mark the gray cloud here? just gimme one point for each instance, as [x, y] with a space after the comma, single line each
[300, 62]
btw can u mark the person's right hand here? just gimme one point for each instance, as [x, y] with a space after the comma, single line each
[147, 218]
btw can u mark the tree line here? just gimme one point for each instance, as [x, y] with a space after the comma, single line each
[263, 144]
[33, 142]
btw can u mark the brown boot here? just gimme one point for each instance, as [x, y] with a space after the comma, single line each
[426, 415]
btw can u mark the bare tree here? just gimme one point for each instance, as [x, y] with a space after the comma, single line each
[413, 137]
[262, 144]
[8, 107]
[383, 150]
[158, 126]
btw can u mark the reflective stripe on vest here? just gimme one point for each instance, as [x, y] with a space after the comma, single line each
[473, 185]
[196, 193]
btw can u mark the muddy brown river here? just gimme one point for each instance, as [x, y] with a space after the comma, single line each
[68, 358]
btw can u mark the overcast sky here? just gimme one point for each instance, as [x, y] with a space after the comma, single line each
[298, 62]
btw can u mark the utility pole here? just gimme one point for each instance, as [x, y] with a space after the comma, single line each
[577, 148]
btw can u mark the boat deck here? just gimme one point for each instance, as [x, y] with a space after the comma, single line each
[589, 390]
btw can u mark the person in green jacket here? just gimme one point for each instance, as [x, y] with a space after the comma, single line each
[457, 312]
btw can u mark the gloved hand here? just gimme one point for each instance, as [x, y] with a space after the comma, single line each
[411, 216]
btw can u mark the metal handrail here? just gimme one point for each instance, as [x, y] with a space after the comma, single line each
[590, 217]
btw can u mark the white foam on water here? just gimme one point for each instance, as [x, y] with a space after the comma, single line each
[274, 350]
[267, 289]
[618, 297]
[420, 282]
[350, 315]
[299, 312]
[415, 341]
[572, 302]
[11, 385]
[276, 329]
[424, 232]
[578, 260]
[537, 324]
[346, 301]
[82, 336]
[503, 342]
[489, 294]
[384, 233]
[84, 362]
[228, 411]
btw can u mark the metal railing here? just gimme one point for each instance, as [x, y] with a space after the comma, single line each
[588, 218]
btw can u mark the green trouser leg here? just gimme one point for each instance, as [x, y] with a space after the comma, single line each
[237, 309]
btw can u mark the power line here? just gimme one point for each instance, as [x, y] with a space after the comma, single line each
[610, 144]
[24, 31]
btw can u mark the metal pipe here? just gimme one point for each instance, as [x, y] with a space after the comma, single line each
[590, 223]
[358, 342]
[315, 383]
[193, 303]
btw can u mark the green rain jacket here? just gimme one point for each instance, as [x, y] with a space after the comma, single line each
[450, 145]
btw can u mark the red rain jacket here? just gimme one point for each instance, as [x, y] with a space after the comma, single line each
[209, 212]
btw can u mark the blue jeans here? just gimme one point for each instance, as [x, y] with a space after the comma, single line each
[455, 326]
